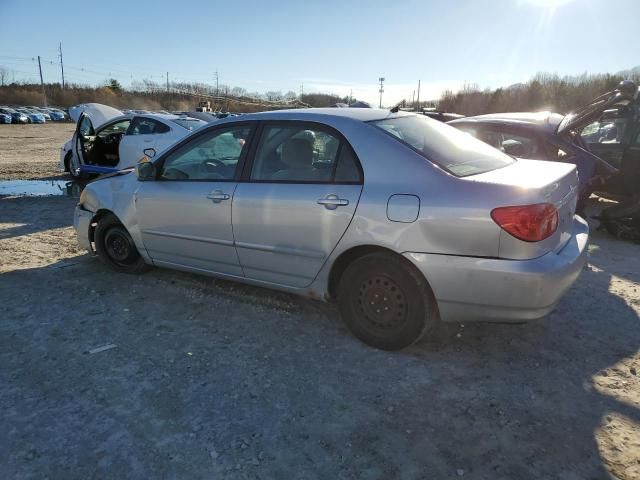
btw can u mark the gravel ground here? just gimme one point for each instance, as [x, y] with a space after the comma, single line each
[212, 379]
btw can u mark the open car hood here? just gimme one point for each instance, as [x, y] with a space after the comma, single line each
[625, 93]
[98, 113]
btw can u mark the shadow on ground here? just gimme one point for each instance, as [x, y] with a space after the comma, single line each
[214, 379]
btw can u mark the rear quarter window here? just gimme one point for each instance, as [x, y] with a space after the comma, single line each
[454, 150]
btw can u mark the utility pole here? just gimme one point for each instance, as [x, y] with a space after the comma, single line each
[61, 65]
[381, 80]
[44, 95]
[217, 82]
[350, 96]
[418, 106]
[301, 90]
[413, 100]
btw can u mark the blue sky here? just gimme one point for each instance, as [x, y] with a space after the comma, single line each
[329, 46]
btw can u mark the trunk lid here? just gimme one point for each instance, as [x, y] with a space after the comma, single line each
[528, 182]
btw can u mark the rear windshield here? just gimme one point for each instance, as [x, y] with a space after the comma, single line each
[190, 123]
[457, 152]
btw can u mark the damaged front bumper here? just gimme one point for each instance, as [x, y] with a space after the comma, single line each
[82, 224]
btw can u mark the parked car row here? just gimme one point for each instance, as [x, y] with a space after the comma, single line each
[30, 114]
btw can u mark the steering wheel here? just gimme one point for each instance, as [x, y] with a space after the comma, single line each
[212, 167]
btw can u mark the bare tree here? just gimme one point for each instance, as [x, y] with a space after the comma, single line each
[4, 75]
[273, 96]
[290, 95]
[238, 92]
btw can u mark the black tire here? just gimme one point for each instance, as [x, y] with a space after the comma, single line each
[386, 302]
[115, 247]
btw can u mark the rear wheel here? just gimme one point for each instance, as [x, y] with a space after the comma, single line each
[386, 302]
[115, 247]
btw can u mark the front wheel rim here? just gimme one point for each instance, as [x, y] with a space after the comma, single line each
[119, 247]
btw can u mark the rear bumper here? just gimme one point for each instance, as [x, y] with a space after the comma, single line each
[483, 289]
[82, 223]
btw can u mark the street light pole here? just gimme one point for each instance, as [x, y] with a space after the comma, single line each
[381, 80]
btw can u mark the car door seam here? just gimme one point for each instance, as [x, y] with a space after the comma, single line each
[355, 211]
[233, 234]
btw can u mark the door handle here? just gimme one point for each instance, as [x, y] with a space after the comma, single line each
[331, 202]
[218, 196]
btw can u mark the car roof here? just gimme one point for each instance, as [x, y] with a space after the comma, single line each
[540, 120]
[361, 114]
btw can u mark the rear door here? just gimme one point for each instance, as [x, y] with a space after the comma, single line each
[297, 198]
[141, 134]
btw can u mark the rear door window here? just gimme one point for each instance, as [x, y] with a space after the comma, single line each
[146, 126]
[515, 144]
[301, 153]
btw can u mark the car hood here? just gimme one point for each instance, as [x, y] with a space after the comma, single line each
[589, 113]
[99, 114]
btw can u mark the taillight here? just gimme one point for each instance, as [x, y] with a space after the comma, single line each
[530, 223]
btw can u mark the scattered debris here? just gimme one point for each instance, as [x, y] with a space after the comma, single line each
[102, 348]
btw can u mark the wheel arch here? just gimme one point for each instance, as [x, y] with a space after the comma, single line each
[100, 214]
[350, 255]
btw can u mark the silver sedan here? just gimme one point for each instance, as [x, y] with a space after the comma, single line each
[403, 220]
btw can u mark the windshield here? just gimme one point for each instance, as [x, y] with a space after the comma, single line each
[190, 123]
[457, 152]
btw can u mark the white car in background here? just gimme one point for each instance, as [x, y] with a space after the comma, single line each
[108, 140]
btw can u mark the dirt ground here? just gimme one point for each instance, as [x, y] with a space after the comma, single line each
[32, 151]
[212, 379]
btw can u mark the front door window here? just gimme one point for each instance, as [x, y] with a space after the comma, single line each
[212, 156]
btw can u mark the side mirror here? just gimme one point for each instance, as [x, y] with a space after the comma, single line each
[146, 171]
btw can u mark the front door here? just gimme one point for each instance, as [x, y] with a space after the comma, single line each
[301, 194]
[84, 138]
[185, 215]
[608, 136]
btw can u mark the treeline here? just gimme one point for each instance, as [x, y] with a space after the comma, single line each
[543, 92]
[149, 95]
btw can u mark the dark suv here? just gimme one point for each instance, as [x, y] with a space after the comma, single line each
[601, 138]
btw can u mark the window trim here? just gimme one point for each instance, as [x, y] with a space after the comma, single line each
[248, 166]
[159, 163]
